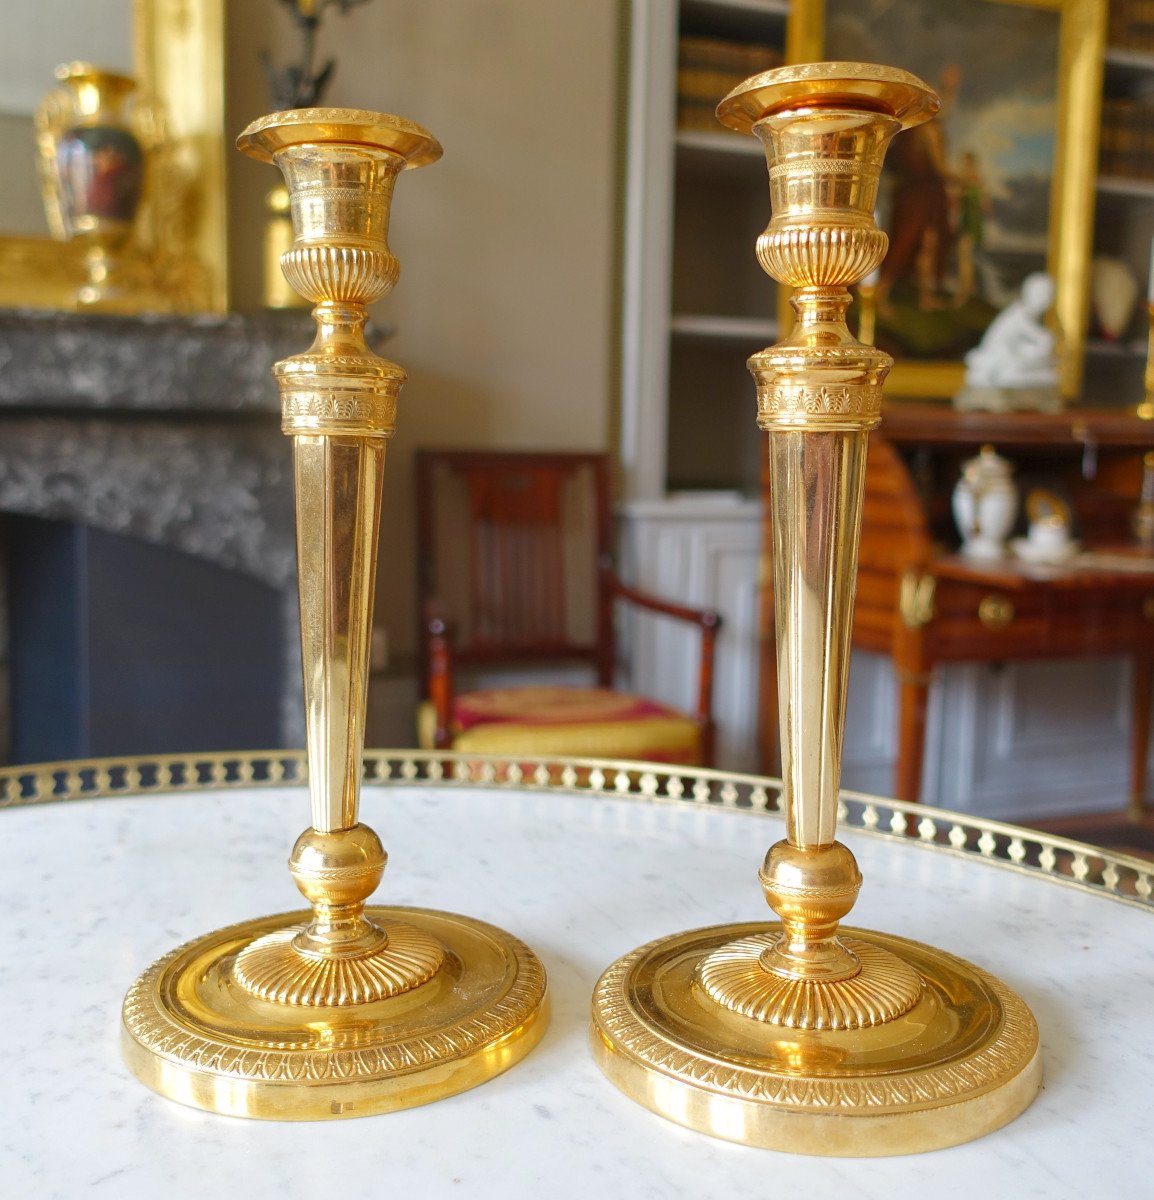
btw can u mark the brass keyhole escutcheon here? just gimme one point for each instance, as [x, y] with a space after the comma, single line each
[995, 612]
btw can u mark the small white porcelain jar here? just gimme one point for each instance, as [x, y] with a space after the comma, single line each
[985, 504]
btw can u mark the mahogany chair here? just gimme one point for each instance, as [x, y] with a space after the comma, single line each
[515, 570]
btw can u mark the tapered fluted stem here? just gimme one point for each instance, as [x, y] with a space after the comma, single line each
[338, 500]
[816, 497]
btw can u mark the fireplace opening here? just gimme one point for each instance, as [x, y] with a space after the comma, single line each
[117, 646]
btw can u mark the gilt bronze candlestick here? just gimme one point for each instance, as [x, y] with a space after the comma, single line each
[344, 1010]
[788, 1035]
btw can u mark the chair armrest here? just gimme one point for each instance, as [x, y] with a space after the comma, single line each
[708, 621]
[706, 618]
[439, 673]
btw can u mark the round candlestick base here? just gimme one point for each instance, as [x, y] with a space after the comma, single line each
[960, 1063]
[193, 1034]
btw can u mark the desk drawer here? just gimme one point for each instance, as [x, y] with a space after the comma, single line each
[980, 622]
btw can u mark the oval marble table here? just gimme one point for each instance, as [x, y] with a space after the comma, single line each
[106, 866]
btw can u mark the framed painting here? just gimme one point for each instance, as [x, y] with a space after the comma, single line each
[1000, 185]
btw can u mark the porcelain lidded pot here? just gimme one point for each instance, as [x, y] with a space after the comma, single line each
[985, 504]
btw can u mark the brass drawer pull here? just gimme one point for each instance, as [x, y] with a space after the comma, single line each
[995, 612]
[916, 599]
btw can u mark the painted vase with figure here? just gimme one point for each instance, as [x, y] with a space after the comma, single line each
[92, 171]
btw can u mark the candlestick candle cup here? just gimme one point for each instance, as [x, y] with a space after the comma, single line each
[343, 1010]
[790, 1035]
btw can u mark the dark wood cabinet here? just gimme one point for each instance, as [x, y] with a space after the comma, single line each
[923, 605]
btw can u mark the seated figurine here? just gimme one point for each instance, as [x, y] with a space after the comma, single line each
[1017, 350]
[1015, 366]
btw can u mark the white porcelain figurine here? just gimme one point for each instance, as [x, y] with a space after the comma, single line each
[1016, 363]
[985, 503]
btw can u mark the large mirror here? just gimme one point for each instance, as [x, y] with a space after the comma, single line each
[174, 50]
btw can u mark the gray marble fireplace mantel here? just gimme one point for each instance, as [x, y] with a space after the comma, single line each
[213, 363]
[161, 428]
[164, 428]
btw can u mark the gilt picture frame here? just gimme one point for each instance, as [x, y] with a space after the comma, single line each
[1005, 182]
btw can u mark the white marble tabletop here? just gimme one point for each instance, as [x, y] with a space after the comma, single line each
[94, 890]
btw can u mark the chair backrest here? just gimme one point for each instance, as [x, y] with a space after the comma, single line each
[508, 548]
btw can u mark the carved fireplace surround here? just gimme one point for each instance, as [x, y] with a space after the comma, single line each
[163, 429]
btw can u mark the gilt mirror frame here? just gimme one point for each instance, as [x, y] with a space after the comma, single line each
[1081, 48]
[178, 59]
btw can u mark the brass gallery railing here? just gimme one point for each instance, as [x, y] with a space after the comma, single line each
[1072, 863]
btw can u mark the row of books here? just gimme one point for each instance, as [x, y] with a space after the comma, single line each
[1126, 143]
[708, 68]
[1131, 24]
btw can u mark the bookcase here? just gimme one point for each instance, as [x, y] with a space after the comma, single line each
[695, 305]
[695, 301]
[1124, 216]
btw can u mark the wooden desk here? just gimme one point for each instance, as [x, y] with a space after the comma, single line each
[921, 605]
